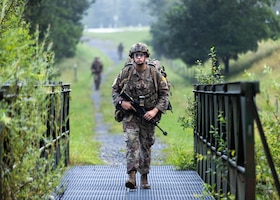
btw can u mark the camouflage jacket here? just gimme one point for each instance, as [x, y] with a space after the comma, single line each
[142, 84]
[96, 67]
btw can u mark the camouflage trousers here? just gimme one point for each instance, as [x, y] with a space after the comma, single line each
[139, 137]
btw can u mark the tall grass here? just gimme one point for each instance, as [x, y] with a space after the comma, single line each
[76, 71]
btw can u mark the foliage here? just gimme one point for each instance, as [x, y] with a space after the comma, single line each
[233, 27]
[221, 168]
[212, 76]
[204, 75]
[64, 20]
[158, 9]
[182, 158]
[159, 42]
[209, 75]
[25, 65]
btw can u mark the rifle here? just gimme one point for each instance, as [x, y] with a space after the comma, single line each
[140, 111]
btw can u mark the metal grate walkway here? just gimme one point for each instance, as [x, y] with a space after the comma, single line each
[107, 183]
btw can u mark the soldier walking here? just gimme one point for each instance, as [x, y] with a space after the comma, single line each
[138, 81]
[120, 50]
[96, 70]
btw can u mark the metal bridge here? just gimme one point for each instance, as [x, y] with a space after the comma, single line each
[224, 112]
[107, 182]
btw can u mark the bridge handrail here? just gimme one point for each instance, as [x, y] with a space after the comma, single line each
[224, 137]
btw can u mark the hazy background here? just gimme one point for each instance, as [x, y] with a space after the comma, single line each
[123, 13]
[118, 13]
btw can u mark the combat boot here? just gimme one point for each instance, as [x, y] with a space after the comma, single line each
[131, 182]
[144, 182]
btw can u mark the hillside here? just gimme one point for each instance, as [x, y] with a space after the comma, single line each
[267, 55]
[262, 66]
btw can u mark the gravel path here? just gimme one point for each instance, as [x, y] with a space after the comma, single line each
[112, 150]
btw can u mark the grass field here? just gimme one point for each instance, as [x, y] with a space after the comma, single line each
[84, 149]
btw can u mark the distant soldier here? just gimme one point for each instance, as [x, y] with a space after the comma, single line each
[120, 50]
[96, 70]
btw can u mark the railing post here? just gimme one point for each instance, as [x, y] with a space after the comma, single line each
[248, 134]
[66, 120]
[1, 149]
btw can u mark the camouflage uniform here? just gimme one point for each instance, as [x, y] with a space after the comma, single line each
[139, 133]
[96, 70]
[120, 50]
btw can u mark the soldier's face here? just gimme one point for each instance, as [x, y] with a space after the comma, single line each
[139, 58]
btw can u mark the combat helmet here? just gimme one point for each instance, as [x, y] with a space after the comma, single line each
[139, 47]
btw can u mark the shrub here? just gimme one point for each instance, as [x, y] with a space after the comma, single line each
[24, 66]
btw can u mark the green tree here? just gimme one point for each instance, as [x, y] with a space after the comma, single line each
[63, 18]
[159, 29]
[158, 8]
[192, 27]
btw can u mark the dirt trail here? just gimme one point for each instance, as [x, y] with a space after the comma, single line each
[112, 150]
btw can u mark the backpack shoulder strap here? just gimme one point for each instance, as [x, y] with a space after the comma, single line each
[154, 71]
[125, 76]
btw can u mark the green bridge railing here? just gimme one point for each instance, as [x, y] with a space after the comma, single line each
[224, 138]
